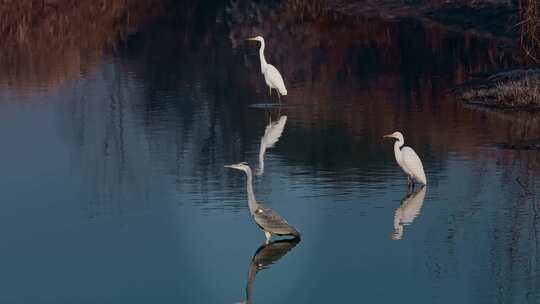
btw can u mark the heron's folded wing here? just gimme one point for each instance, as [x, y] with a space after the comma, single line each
[270, 221]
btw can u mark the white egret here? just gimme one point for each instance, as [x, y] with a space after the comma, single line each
[271, 74]
[408, 210]
[267, 219]
[408, 160]
[272, 133]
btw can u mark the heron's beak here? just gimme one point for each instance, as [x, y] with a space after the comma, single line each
[388, 136]
[252, 39]
[228, 166]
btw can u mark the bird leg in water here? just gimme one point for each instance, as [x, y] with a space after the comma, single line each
[268, 116]
[270, 91]
[268, 236]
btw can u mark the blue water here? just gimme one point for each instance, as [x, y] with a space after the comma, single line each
[114, 190]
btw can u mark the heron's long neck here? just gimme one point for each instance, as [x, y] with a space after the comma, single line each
[251, 277]
[397, 150]
[252, 203]
[263, 60]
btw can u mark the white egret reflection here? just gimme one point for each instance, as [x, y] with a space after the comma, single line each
[408, 210]
[272, 133]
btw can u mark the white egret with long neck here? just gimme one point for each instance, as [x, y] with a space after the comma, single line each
[408, 160]
[271, 74]
[267, 219]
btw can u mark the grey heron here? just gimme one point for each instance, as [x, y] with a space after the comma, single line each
[408, 160]
[265, 256]
[408, 210]
[267, 219]
[272, 77]
[272, 133]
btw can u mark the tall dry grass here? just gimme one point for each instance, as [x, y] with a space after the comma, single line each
[529, 24]
[518, 93]
[45, 42]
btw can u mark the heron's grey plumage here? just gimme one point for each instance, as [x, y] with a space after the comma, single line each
[267, 219]
[272, 222]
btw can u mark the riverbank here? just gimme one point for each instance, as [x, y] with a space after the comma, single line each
[495, 17]
[517, 89]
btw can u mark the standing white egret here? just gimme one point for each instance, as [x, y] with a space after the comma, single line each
[271, 74]
[267, 219]
[272, 133]
[408, 160]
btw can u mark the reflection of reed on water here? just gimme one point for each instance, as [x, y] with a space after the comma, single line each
[49, 42]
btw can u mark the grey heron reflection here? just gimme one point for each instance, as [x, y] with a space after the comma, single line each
[272, 133]
[267, 219]
[408, 210]
[264, 257]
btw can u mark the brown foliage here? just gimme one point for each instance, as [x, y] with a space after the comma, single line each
[69, 35]
[529, 15]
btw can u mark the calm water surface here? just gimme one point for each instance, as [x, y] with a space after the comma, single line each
[114, 190]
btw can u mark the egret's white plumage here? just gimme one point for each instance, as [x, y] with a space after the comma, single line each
[408, 160]
[408, 211]
[272, 77]
[272, 133]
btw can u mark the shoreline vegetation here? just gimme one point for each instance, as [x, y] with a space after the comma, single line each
[74, 34]
[56, 26]
[516, 90]
[515, 23]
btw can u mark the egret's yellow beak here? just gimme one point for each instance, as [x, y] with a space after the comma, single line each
[388, 136]
[252, 39]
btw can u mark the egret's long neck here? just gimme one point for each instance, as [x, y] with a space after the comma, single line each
[262, 150]
[252, 203]
[397, 150]
[261, 55]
